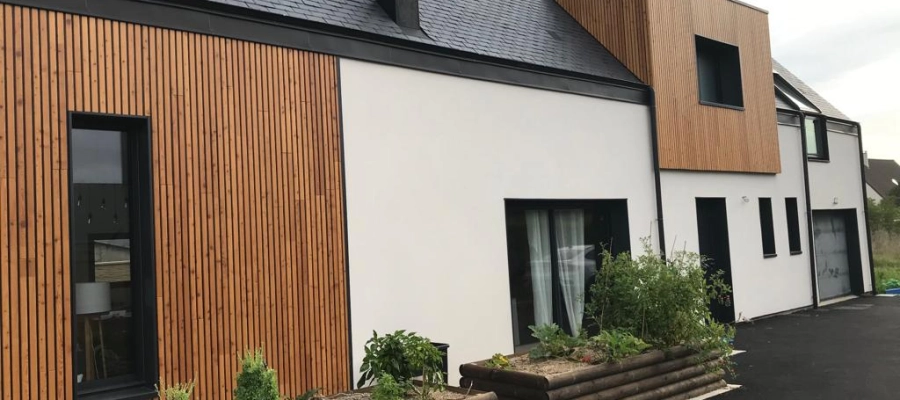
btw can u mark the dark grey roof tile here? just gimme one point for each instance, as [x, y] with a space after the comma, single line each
[538, 32]
[817, 100]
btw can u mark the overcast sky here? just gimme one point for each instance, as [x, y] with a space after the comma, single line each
[849, 52]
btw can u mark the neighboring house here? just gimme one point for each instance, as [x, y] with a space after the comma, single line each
[293, 175]
[882, 179]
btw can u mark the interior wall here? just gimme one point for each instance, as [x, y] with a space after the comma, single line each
[431, 159]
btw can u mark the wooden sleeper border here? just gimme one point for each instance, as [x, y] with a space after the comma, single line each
[653, 375]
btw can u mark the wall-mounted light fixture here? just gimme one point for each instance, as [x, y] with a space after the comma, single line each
[836, 201]
[746, 199]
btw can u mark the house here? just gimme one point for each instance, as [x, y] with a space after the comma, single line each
[882, 179]
[294, 175]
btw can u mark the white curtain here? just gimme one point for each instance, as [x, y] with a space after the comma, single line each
[569, 226]
[537, 224]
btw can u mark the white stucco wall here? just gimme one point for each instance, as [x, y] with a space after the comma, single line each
[430, 159]
[762, 286]
[837, 185]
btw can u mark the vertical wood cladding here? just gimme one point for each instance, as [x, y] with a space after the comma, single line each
[247, 199]
[655, 39]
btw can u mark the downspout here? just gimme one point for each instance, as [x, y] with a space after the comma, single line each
[654, 137]
[810, 234]
[862, 173]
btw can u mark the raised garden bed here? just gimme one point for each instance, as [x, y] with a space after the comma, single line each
[449, 393]
[677, 373]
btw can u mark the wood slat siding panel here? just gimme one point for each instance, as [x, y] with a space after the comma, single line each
[655, 40]
[248, 206]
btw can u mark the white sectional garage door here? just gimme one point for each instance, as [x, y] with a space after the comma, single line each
[832, 257]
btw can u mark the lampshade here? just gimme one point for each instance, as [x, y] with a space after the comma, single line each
[92, 298]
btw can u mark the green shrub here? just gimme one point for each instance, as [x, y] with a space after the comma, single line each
[256, 381]
[663, 302]
[389, 389]
[178, 391]
[617, 345]
[553, 342]
[403, 355]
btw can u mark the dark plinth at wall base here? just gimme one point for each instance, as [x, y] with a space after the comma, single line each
[672, 373]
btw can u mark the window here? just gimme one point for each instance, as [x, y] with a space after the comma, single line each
[111, 244]
[816, 138]
[719, 73]
[553, 252]
[793, 96]
[793, 223]
[767, 226]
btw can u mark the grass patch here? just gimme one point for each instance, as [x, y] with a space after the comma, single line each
[887, 272]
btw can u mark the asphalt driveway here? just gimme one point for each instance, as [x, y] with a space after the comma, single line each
[849, 350]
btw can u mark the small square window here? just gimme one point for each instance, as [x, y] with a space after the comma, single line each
[719, 73]
[816, 139]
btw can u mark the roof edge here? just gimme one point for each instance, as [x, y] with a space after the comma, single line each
[239, 23]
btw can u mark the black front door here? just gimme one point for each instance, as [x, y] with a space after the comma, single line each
[712, 226]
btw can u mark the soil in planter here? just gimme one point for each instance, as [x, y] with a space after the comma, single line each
[444, 395]
[550, 366]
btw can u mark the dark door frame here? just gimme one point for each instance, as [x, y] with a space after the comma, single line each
[854, 252]
[714, 244]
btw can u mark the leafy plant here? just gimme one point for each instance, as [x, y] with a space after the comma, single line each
[389, 389]
[403, 355]
[256, 381]
[178, 391]
[616, 345]
[553, 342]
[664, 302]
[498, 361]
[892, 283]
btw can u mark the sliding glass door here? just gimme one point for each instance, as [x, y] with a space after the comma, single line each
[553, 258]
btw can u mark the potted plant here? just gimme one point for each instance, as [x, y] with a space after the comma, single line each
[655, 338]
[404, 365]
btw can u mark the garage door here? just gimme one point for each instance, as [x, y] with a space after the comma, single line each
[832, 255]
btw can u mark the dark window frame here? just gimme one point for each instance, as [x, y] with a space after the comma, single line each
[821, 137]
[792, 212]
[727, 74]
[767, 227]
[617, 226]
[141, 383]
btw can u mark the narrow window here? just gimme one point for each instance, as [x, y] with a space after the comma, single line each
[793, 223]
[816, 138]
[767, 226]
[719, 73]
[553, 249]
[111, 246]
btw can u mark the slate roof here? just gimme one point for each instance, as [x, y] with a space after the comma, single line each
[817, 100]
[880, 176]
[537, 32]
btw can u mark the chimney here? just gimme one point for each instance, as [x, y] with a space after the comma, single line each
[404, 12]
[866, 158]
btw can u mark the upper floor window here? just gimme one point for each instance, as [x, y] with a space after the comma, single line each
[719, 73]
[816, 138]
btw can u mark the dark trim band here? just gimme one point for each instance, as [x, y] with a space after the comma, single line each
[243, 24]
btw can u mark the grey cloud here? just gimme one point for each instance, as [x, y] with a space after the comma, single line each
[831, 51]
